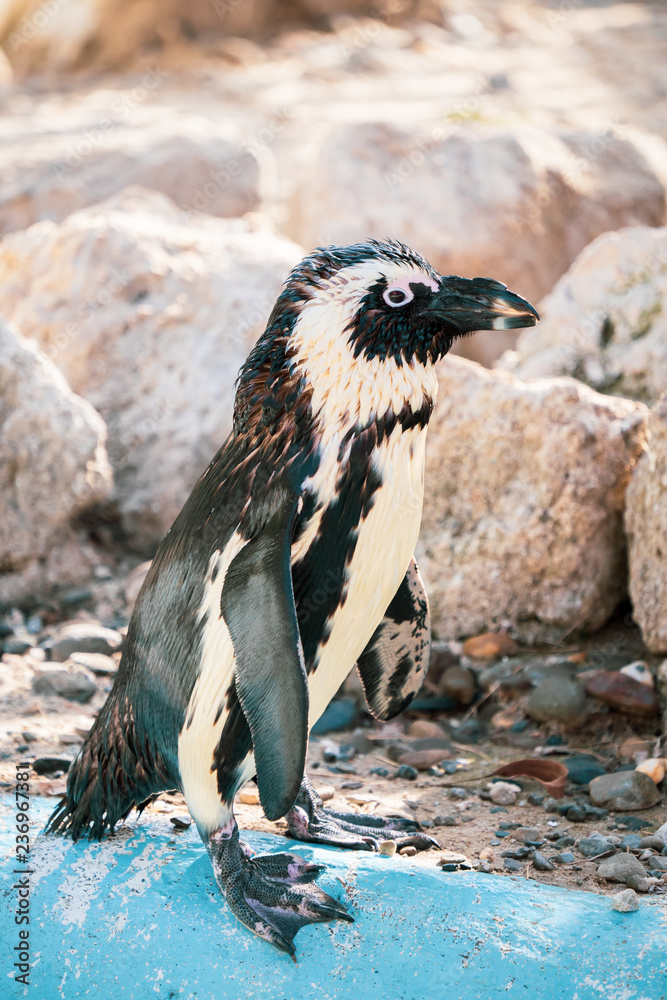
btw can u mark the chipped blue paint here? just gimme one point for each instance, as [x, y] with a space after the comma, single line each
[139, 916]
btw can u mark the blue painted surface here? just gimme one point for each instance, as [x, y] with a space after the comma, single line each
[139, 916]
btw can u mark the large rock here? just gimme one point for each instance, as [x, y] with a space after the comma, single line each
[149, 313]
[515, 206]
[523, 508]
[109, 141]
[53, 465]
[605, 321]
[646, 527]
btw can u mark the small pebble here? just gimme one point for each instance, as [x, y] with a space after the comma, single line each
[590, 847]
[387, 848]
[655, 843]
[503, 793]
[32, 737]
[352, 785]
[654, 767]
[381, 772]
[326, 792]
[638, 883]
[409, 851]
[458, 793]
[445, 821]
[494, 843]
[497, 809]
[541, 863]
[512, 866]
[658, 864]
[427, 824]
[550, 805]
[631, 840]
[624, 790]
[520, 854]
[502, 833]
[409, 773]
[625, 901]
[449, 766]
[180, 822]
[535, 799]
[527, 833]
[249, 796]
[564, 858]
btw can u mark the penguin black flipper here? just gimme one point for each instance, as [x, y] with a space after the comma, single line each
[393, 664]
[257, 604]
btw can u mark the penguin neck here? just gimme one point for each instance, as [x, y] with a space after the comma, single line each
[349, 392]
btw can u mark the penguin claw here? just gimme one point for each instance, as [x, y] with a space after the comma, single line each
[308, 820]
[271, 894]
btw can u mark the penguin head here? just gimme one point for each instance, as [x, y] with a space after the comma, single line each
[386, 301]
[359, 328]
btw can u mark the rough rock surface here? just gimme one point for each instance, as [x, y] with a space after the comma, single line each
[624, 790]
[523, 508]
[517, 206]
[605, 322]
[646, 528]
[200, 163]
[53, 466]
[149, 312]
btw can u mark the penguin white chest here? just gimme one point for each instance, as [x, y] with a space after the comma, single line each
[386, 540]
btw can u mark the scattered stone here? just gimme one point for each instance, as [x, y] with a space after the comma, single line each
[387, 848]
[635, 749]
[511, 865]
[50, 765]
[459, 684]
[624, 790]
[30, 737]
[342, 768]
[558, 698]
[550, 805]
[381, 772]
[74, 685]
[625, 901]
[619, 867]
[637, 883]
[632, 822]
[424, 729]
[640, 672]
[339, 714]
[181, 822]
[582, 768]
[564, 858]
[653, 842]
[536, 799]
[631, 841]
[70, 739]
[541, 863]
[497, 809]
[520, 854]
[594, 845]
[409, 773]
[661, 833]
[17, 646]
[83, 637]
[528, 834]
[97, 663]
[490, 646]
[408, 852]
[654, 767]
[623, 693]
[504, 793]
[421, 759]
[502, 833]
[457, 793]
[249, 796]
[326, 792]
[445, 821]
[352, 785]
[332, 752]
[658, 864]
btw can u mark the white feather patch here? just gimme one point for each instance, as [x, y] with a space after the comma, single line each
[201, 733]
[386, 542]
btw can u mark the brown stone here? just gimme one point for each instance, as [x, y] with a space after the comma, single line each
[459, 684]
[490, 646]
[423, 759]
[424, 729]
[635, 749]
[623, 693]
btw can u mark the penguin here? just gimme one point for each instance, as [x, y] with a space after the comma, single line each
[292, 560]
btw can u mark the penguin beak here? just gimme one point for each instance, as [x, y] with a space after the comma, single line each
[469, 304]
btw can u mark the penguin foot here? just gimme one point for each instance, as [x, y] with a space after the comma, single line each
[309, 820]
[270, 893]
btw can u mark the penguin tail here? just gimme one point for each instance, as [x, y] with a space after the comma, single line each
[111, 775]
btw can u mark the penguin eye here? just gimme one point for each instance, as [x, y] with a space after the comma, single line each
[397, 296]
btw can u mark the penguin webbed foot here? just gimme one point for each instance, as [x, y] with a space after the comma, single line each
[309, 820]
[271, 894]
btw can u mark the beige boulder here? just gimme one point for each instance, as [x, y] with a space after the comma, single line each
[523, 506]
[605, 322]
[646, 528]
[149, 312]
[117, 138]
[53, 466]
[516, 206]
